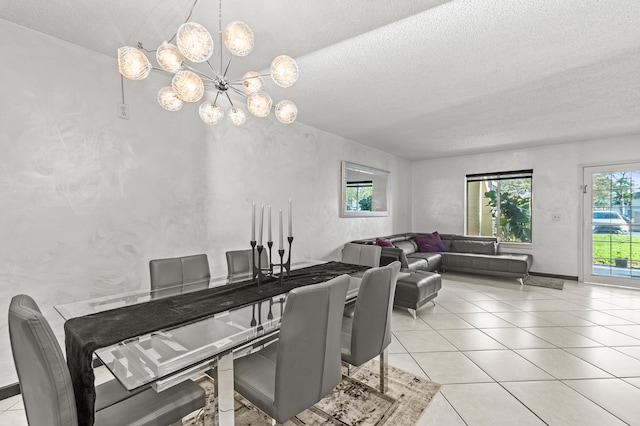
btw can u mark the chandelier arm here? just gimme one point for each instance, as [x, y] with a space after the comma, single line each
[248, 78]
[238, 91]
[229, 99]
[227, 68]
[197, 71]
[211, 67]
[216, 99]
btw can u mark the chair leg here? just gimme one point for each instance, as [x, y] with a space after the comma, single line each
[521, 281]
[412, 312]
[384, 371]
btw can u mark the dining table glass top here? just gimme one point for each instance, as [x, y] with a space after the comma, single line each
[188, 349]
[164, 357]
[104, 303]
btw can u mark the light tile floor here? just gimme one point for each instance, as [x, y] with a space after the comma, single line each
[507, 354]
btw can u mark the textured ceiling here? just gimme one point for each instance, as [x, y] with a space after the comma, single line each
[420, 79]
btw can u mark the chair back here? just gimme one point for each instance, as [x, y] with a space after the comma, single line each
[371, 328]
[166, 277]
[239, 264]
[308, 364]
[45, 382]
[169, 276]
[195, 272]
[362, 254]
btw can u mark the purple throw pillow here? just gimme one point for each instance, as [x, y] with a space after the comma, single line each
[382, 242]
[430, 242]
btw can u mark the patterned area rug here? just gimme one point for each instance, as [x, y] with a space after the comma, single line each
[547, 282]
[355, 401]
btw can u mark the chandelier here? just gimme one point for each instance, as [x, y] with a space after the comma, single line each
[193, 45]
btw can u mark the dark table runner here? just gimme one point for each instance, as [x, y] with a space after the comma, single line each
[84, 335]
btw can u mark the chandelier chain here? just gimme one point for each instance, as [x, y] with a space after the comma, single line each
[193, 6]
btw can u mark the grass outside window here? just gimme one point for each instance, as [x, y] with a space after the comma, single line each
[608, 247]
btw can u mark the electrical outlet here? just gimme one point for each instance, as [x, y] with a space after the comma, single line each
[555, 216]
[123, 111]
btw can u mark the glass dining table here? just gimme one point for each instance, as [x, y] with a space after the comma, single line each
[167, 356]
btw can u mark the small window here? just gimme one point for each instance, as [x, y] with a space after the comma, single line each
[499, 205]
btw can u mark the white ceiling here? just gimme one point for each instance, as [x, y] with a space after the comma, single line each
[416, 78]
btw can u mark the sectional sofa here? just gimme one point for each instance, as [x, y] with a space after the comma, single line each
[463, 253]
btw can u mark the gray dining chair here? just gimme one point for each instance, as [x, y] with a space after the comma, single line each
[361, 254]
[195, 272]
[239, 264]
[171, 276]
[47, 390]
[367, 333]
[303, 366]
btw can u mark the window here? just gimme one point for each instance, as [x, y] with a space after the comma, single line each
[359, 195]
[499, 205]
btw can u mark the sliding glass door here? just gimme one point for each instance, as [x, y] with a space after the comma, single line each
[612, 224]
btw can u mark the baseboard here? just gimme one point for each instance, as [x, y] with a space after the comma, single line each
[560, 277]
[9, 391]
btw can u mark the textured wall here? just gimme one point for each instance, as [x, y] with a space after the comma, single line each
[266, 162]
[87, 199]
[439, 188]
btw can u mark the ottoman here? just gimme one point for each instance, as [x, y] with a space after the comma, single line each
[415, 289]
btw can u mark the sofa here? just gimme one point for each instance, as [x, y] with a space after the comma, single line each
[462, 253]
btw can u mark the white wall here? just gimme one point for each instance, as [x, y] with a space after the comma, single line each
[439, 192]
[87, 199]
[266, 162]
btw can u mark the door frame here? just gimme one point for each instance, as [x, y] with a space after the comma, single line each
[586, 256]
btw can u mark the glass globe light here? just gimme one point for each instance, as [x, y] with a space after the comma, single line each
[252, 81]
[188, 86]
[132, 63]
[168, 99]
[169, 58]
[210, 113]
[237, 116]
[286, 112]
[259, 103]
[284, 71]
[194, 42]
[238, 38]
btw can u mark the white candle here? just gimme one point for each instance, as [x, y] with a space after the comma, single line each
[290, 216]
[261, 220]
[253, 222]
[280, 228]
[269, 220]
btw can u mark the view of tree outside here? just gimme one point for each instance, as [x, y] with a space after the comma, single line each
[616, 191]
[513, 217]
[499, 205]
[616, 242]
[359, 195]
